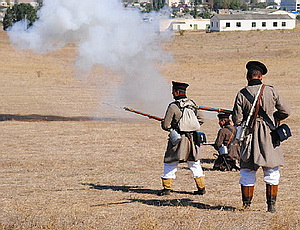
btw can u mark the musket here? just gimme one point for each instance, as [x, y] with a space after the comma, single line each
[143, 114]
[135, 111]
[160, 119]
[212, 109]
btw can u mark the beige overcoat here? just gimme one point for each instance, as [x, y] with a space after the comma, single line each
[261, 150]
[185, 150]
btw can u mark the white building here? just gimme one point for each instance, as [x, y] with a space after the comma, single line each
[176, 2]
[177, 24]
[236, 22]
[290, 5]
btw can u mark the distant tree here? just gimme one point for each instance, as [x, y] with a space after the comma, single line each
[205, 15]
[260, 5]
[158, 4]
[221, 4]
[197, 2]
[40, 2]
[148, 8]
[230, 4]
[244, 6]
[19, 12]
[186, 10]
[235, 4]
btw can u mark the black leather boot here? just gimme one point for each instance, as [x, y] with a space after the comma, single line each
[247, 195]
[271, 194]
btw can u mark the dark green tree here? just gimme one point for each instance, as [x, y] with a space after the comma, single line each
[260, 5]
[205, 15]
[235, 5]
[158, 4]
[40, 2]
[19, 12]
[244, 6]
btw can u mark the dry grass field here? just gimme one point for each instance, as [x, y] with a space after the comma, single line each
[65, 165]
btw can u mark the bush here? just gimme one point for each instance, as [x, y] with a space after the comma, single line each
[298, 17]
[19, 12]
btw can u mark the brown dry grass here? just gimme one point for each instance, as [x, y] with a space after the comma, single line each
[73, 173]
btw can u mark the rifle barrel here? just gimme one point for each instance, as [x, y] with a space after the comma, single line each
[213, 109]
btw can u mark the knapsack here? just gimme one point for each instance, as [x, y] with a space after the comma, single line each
[188, 121]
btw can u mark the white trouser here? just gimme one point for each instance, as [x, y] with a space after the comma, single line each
[171, 169]
[271, 176]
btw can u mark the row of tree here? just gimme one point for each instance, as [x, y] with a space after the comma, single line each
[25, 11]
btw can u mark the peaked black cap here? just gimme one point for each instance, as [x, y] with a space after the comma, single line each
[257, 66]
[179, 85]
[223, 115]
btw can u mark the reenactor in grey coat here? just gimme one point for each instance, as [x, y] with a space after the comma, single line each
[226, 145]
[261, 151]
[185, 150]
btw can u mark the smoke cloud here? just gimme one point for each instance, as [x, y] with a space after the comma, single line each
[108, 35]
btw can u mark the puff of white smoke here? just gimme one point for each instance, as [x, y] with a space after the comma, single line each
[106, 34]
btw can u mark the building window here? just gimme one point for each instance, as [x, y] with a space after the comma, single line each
[275, 24]
[263, 24]
[217, 24]
[253, 24]
[212, 24]
[227, 24]
[238, 24]
[283, 24]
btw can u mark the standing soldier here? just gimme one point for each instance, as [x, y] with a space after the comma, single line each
[183, 150]
[261, 150]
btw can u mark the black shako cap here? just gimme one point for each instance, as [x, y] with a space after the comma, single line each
[223, 115]
[179, 85]
[257, 66]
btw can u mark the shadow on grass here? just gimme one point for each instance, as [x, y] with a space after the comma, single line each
[156, 202]
[133, 189]
[184, 203]
[172, 202]
[36, 117]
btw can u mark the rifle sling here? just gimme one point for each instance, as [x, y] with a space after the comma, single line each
[257, 106]
[231, 139]
[261, 112]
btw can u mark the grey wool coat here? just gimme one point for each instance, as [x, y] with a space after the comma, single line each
[185, 150]
[261, 150]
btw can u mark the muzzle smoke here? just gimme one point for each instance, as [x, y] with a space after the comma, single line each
[106, 34]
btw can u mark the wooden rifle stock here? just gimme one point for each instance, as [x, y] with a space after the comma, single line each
[143, 114]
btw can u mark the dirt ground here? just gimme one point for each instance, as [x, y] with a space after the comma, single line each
[65, 166]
